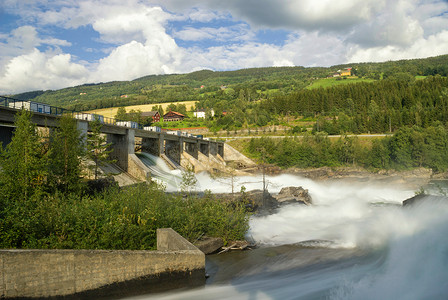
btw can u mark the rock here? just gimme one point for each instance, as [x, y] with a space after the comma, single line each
[254, 200]
[423, 197]
[294, 195]
[259, 199]
[209, 245]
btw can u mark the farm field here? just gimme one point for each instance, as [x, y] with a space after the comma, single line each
[112, 111]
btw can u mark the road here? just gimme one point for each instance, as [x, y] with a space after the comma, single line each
[229, 138]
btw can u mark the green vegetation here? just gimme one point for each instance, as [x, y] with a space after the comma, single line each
[97, 147]
[45, 202]
[377, 107]
[330, 82]
[379, 97]
[408, 148]
[115, 219]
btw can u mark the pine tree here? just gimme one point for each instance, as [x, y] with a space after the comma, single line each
[66, 155]
[97, 147]
[23, 163]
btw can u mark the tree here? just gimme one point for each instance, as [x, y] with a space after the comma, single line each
[121, 114]
[189, 180]
[23, 163]
[97, 147]
[66, 154]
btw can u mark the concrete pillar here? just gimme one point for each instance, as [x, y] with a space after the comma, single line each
[192, 149]
[161, 144]
[83, 127]
[173, 149]
[204, 147]
[213, 148]
[152, 146]
[122, 146]
[221, 149]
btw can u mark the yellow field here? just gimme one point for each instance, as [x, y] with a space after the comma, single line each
[112, 111]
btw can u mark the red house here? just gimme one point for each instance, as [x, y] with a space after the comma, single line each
[173, 116]
[153, 114]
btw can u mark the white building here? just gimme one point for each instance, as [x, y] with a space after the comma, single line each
[200, 114]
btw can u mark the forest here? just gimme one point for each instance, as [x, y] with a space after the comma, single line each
[409, 147]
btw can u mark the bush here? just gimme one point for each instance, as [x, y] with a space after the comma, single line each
[116, 219]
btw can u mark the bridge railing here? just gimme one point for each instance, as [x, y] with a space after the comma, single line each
[32, 106]
[57, 111]
[52, 110]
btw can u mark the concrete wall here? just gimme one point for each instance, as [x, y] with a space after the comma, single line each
[94, 273]
[137, 169]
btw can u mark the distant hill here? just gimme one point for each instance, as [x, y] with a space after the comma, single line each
[206, 83]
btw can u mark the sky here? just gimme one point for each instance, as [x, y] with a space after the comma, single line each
[52, 44]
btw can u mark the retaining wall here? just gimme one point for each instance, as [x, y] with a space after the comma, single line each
[94, 273]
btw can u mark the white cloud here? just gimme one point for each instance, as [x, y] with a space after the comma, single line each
[306, 49]
[434, 45]
[21, 41]
[138, 38]
[205, 16]
[292, 14]
[393, 26]
[37, 71]
[240, 32]
[135, 59]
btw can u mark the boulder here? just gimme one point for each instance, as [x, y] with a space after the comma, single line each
[419, 198]
[253, 200]
[293, 195]
[259, 199]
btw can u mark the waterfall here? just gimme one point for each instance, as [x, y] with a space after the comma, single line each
[161, 172]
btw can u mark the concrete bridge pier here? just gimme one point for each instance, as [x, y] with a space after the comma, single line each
[192, 149]
[213, 149]
[221, 150]
[204, 147]
[123, 151]
[174, 149]
[83, 128]
[154, 146]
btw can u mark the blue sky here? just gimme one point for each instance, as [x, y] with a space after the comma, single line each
[52, 44]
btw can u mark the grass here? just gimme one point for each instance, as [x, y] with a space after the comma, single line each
[328, 82]
[112, 111]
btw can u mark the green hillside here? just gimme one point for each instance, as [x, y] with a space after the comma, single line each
[264, 82]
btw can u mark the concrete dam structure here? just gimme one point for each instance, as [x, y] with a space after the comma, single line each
[179, 150]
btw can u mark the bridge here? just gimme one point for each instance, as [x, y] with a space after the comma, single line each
[177, 149]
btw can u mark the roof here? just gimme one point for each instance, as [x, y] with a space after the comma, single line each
[149, 113]
[170, 113]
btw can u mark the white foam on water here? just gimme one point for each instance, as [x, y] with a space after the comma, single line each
[409, 245]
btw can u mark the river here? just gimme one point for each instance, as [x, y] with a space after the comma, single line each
[355, 242]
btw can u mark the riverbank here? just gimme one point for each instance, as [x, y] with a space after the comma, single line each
[415, 177]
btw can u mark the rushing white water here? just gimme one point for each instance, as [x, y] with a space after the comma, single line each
[160, 172]
[354, 242]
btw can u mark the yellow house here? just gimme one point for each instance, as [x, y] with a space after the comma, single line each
[346, 72]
